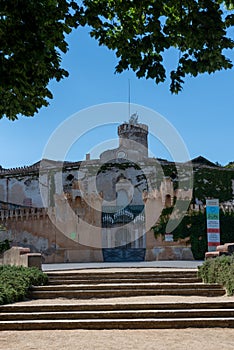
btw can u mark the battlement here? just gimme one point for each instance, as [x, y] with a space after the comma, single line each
[19, 170]
[134, 137]
[126, 127]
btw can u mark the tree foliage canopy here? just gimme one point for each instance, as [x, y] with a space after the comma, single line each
[32, 38]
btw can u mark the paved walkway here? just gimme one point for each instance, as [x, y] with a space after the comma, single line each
[180, 264]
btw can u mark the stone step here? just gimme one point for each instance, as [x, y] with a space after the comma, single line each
[151, 323]
[110, 293]
[120, 314]
[126, 286]
[55, 281]
[25, 308]
[122, 275]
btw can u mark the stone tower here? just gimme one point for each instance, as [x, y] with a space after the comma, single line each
[134, 136]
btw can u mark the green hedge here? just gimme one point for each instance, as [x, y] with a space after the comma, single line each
[15, 282]
[219, 270]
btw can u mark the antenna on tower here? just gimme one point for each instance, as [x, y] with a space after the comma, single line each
[129, 99]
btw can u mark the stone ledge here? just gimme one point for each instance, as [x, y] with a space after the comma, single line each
[223, 249]
[20, 256]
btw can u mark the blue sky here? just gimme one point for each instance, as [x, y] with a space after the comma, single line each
[202, 113]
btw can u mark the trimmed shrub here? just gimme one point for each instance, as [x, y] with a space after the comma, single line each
[15, 282]
[219, 270]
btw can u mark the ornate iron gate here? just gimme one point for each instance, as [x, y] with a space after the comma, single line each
[125, 250]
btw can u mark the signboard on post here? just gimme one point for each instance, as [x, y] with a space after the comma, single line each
[169, 237]
[213, 227]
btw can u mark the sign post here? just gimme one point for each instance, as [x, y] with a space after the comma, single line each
[213, 227]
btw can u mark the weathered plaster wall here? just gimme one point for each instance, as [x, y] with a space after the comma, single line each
[21, 190]
[40, 235]
[3, 192]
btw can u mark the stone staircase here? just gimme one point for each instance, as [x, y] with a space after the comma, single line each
[124, 313]
[124, 284]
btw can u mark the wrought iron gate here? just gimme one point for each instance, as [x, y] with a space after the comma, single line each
[125, 250]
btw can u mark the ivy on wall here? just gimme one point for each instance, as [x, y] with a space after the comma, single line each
[213, 183]
[193, 225]
[5, 245]
[208, 182]
[51, 189]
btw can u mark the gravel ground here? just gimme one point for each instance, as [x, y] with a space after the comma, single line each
[168, 339]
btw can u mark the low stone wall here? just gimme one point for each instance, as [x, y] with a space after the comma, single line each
[19, 256]
[224, 249]
[159, 249]
[169, 253]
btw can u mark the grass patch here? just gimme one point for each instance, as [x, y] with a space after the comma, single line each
[219, 270]
[15, 282]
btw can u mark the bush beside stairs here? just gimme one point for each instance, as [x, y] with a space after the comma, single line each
[125, 314]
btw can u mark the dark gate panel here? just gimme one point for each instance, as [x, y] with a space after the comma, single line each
[123, 254]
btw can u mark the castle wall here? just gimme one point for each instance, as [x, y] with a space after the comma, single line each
[34, 229]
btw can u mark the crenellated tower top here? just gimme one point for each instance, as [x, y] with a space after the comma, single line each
[134, 131]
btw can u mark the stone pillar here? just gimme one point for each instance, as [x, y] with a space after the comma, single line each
[153, 209]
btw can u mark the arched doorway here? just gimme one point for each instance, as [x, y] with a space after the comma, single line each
[123, 225]
[128, 244]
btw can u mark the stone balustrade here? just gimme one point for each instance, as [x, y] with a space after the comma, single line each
[23, 213]
[37, 213]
